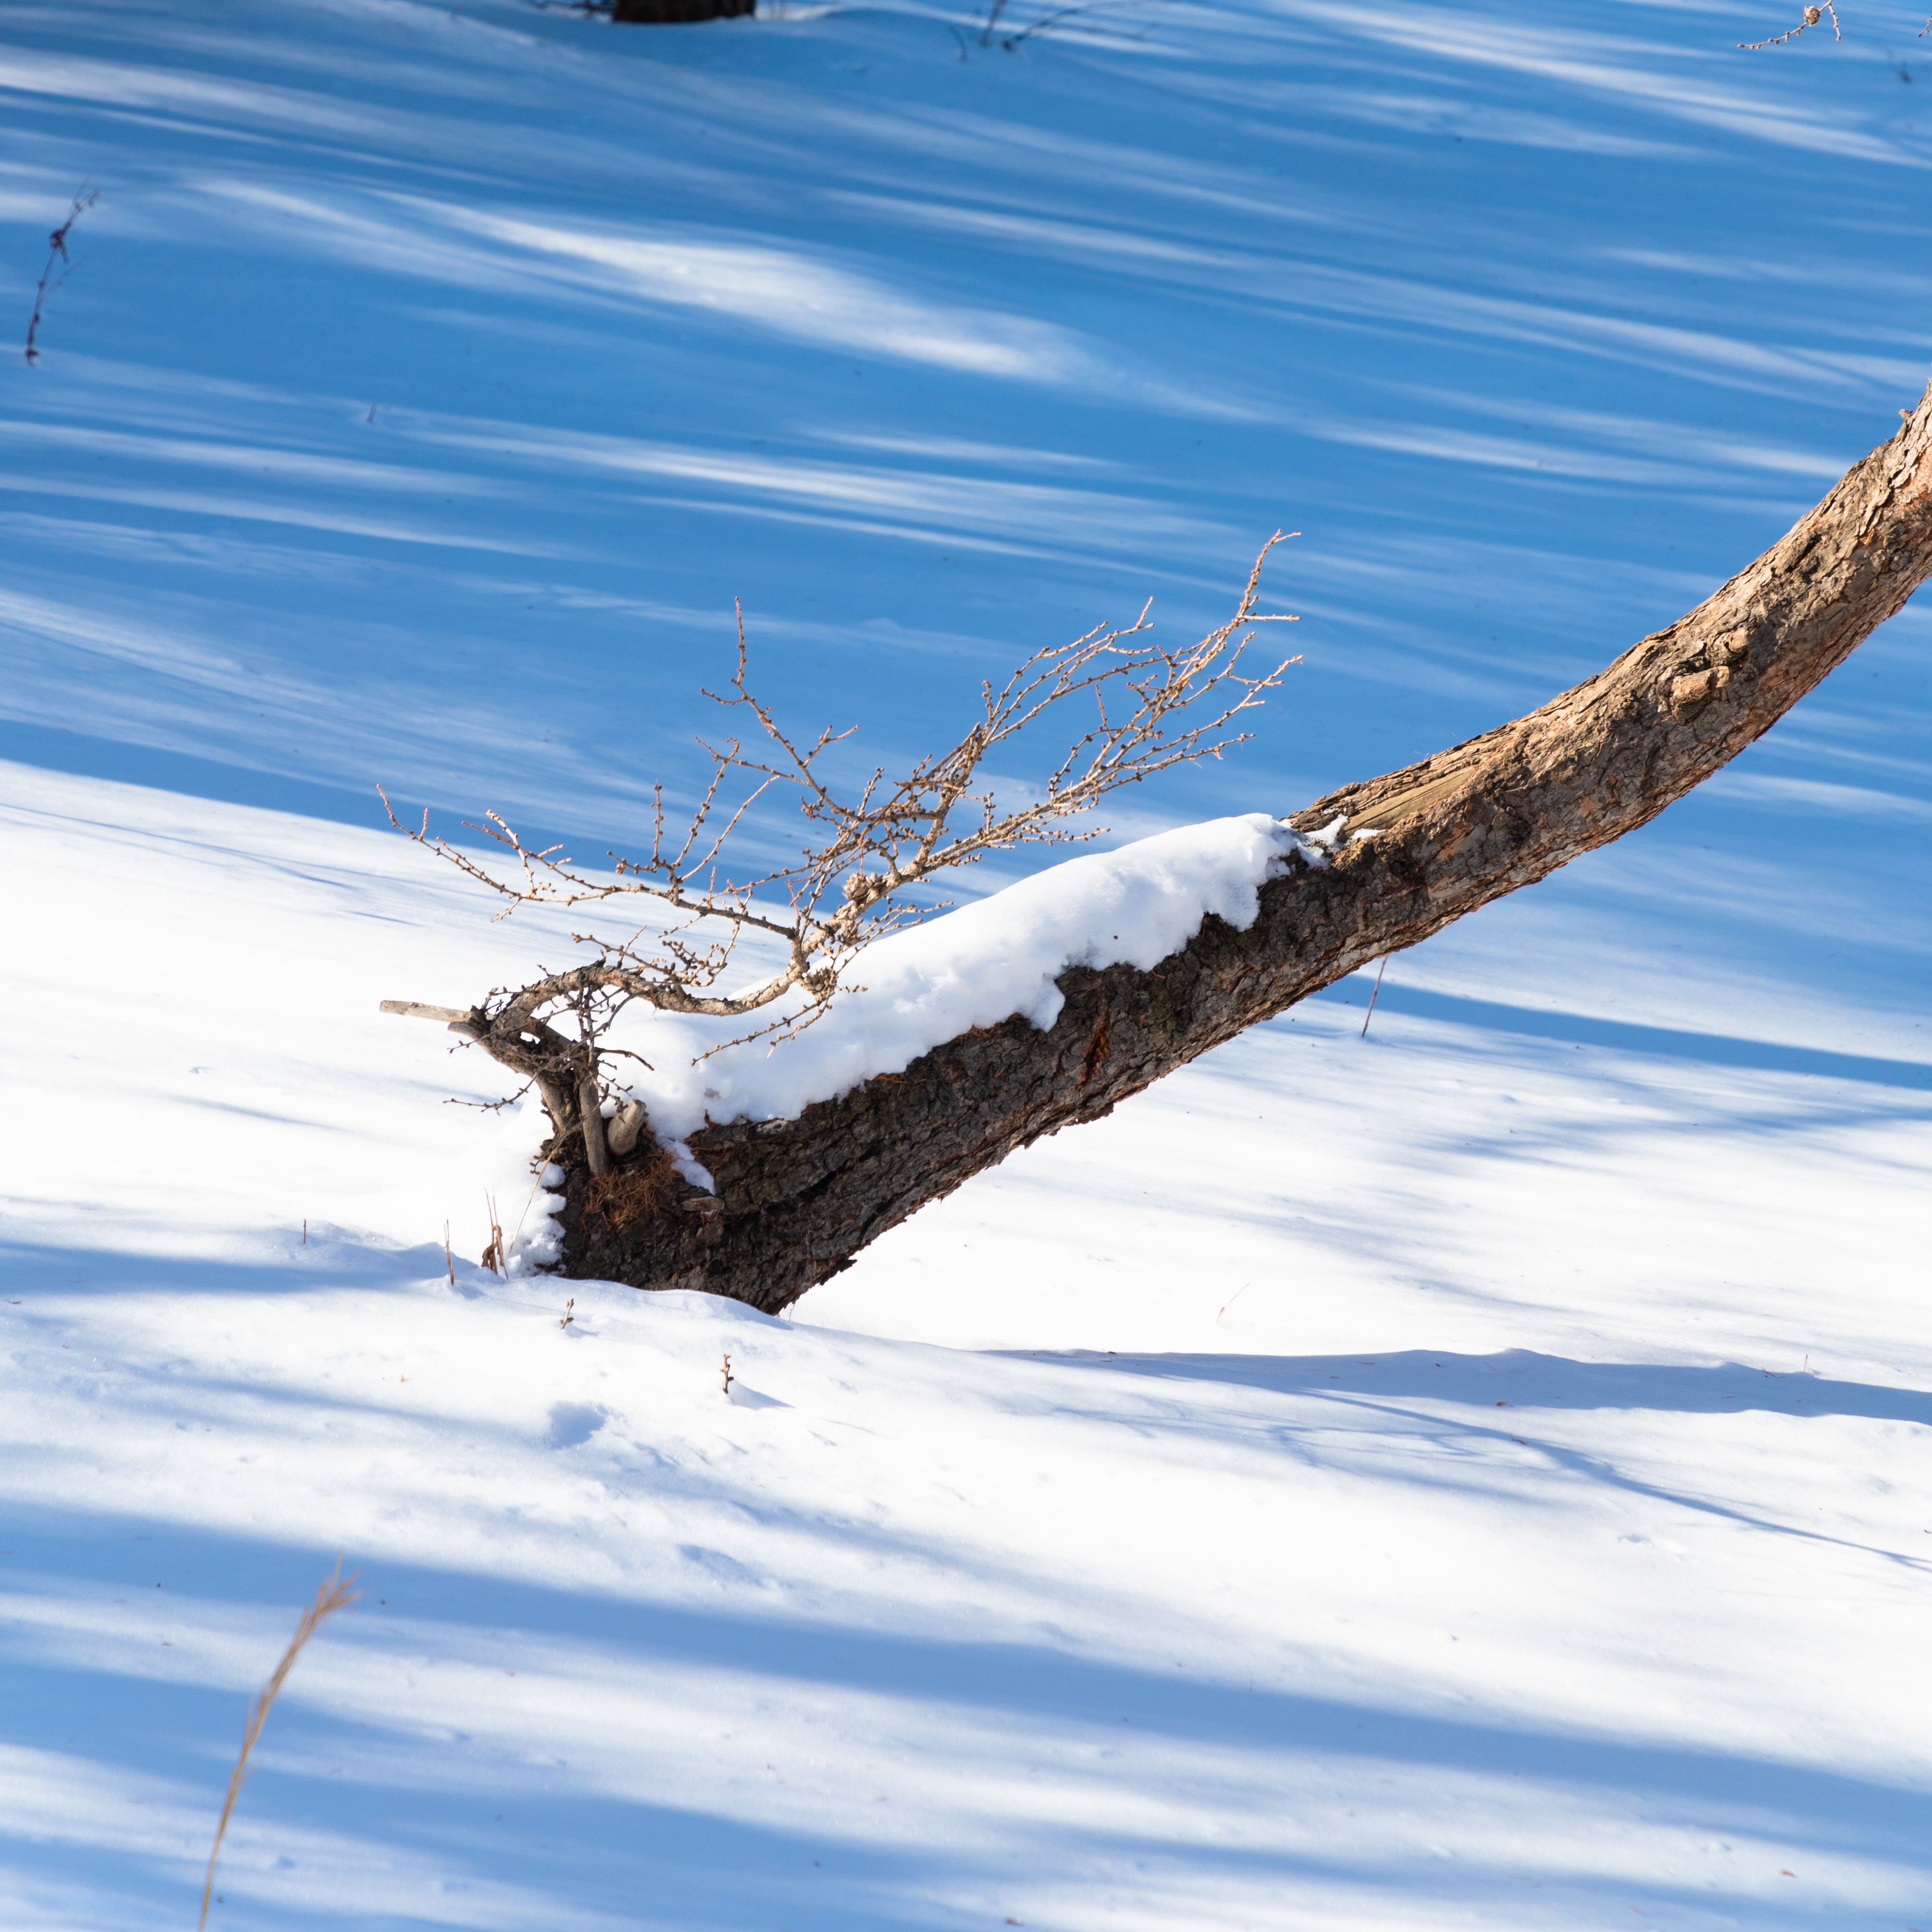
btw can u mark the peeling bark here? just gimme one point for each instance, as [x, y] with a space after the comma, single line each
[797, 1199]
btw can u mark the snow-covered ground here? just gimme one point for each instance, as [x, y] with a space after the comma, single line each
[1473, 1474]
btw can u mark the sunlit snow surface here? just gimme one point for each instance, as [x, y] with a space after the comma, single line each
[1474, 1475]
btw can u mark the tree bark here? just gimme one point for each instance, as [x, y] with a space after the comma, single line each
[797, 1199]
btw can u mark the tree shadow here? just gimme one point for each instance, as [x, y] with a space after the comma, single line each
[1626, 1037]
[1411, 1389]
[490, 1806]
[743, 1750]
[1522, 1378]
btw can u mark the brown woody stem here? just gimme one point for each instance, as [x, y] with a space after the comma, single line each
[595, 1154]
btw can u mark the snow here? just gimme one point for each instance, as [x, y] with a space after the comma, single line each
[1474, 1474]
[974, 966]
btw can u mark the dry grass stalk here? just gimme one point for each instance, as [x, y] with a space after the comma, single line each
[1233, 1298]
[494, 1258]
[336, 1593]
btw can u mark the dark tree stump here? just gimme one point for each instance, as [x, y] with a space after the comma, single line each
[679, 13]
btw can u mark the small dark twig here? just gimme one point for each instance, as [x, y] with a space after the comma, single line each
[1373, 992]
[1057, 17]
[56, 252]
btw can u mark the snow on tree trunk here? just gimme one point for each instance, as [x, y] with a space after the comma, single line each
[793, 1199]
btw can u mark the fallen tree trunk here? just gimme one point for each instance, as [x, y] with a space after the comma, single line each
[797, 1199]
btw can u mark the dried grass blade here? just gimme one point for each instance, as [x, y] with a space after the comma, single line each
[336, 1593]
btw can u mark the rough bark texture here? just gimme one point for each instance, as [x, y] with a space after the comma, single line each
[797, 1199]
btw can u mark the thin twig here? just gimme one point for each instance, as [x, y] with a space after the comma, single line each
[1813, 15]
[334, 1594]
[493, 1106]
[1373, 991]
[1057, 17]
[521, 1218]
[56, 252]
[1045, 24]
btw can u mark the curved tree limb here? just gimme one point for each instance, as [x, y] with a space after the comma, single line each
[797, 1199]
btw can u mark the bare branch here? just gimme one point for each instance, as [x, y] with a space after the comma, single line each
[1812, 16]
[1153, 708]
[56, 252]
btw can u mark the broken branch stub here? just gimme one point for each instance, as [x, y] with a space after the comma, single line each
[460, 1019]
[415, 1010]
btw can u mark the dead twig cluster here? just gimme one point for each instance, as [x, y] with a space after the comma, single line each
[1152, 707]
[56, 254]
